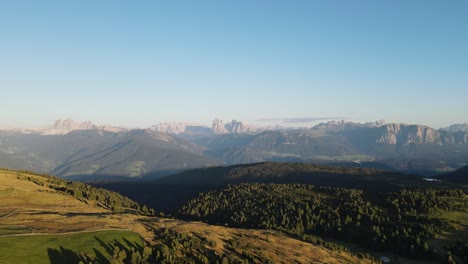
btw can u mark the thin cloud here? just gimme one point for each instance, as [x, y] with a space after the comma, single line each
[298, 119]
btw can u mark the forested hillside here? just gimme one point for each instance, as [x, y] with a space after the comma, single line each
[401, 222]
[276, 172]
[169, 193]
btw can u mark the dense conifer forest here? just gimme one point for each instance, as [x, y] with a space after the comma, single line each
[400, 222]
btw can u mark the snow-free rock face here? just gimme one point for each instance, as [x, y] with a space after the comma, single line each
[342, 125]
[456, 128]
[239, 127]
[218, 127]
[69, 124]
[235, 126]
[416, 134]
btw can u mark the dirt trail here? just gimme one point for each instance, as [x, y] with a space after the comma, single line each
[5, 216]
[67, 233]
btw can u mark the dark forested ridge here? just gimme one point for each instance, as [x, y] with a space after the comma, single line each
[401, 222]
[166, 198]
[169, 193]
[275, 172]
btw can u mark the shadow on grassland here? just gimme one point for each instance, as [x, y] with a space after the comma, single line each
[63, 255]
[67, 256]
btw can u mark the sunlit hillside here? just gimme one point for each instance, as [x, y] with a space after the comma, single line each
[59, 227]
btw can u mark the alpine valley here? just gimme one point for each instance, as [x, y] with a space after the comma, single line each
[337, 192]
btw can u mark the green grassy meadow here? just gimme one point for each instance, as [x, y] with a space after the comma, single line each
[68, 248]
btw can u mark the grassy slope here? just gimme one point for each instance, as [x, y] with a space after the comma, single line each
[267, 243]
[460, 231]
[46, 218]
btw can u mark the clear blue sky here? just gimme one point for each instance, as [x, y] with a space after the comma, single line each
[137, 63]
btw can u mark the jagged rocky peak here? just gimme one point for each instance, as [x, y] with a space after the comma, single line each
[69, 124]
[341, 125]
[235, 126]
[239, 127]
[218, 127]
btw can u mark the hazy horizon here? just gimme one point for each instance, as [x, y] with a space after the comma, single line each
[262, 123]
[138, 64]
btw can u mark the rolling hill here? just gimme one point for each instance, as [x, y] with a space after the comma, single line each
[44, 219]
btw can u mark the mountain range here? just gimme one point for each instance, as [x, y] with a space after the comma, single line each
[194, 130]
[398, 146]
[72, 149]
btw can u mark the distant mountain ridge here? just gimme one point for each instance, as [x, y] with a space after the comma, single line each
[217, 127]
[99, 153]
[65, 126]
[401, 146]
[175, 128]
[342, 125]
